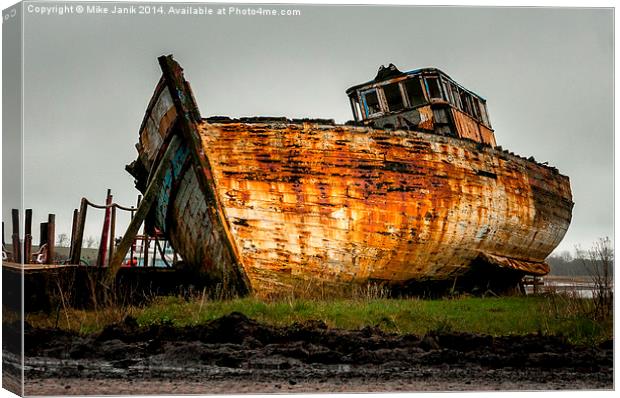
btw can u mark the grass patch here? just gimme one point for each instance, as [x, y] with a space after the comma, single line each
[553, 315]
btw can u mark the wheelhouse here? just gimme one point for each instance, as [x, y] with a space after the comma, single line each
[423, 99]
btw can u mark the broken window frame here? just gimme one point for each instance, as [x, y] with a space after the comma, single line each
[456, 99]
[465, 97]
[400, 92]
[447, 92]
[363, 94]
[355, 107]
[484, 113]
[410, 104]
[465, 100]
[475, 107]
[437, 83]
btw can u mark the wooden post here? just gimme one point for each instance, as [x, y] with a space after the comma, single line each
[131, 252]
[28, 222]
[27, 248]
[133, 244]
[51, 238]
[105, 230]
[43, 234]
[79, 233]
[17, 255]
[3, 241]
[156, 243]
[73, 230]
[145, 205]
[145, 249]
[112, 234]
[137, 204]
[28, 236]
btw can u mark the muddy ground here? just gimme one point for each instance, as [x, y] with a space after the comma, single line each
[235, 354]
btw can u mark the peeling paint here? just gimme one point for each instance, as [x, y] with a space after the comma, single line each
[348, 204]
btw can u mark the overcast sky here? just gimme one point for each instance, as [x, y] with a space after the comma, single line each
[546, 74]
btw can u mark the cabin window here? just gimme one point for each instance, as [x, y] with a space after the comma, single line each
[475, 108]
[358, 110]
[484, 114]
[469, 106]
[393, 97]
[432, 84]
[459, 100]
[371, 102]
[455, 96]
[415, 95]
[465, 102]
[448, 92]
[355, 107]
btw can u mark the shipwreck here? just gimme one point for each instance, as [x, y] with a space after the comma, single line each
[413, 191]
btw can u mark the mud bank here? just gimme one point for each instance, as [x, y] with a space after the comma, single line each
[234, 354]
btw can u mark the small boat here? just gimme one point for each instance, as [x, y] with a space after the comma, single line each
[412, 192]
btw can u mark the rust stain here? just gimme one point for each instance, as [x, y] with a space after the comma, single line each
[426, 118]
[288, 201]
[538, 268]
[466, 126]
[355, 204]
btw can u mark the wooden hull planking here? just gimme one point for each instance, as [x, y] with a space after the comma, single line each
[341, 204]
[348, 204]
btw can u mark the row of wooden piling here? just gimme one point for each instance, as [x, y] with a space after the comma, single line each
[48, 232]
[46, 236]
[107, 246]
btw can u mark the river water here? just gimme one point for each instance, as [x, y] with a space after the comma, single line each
[580, 287]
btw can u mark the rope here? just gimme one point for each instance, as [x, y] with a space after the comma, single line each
[132, 209]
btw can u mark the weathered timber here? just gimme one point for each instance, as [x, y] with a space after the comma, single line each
[79, 232]
[229, 266]
[145, 250]
[17, 257]
[155, 247]
[295, 202]
[45, 286]
[105, 231]
[145, 206]
[27, 248]
[28, 236]
[42, 233]
[131, 250]
[28, 222]
[391, 206]
[74, 224]
[112, 234]
[51, 238]
[424, 99]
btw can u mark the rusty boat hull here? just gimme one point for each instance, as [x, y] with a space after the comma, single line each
[266, 205]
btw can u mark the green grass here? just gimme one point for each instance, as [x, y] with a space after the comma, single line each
[553, 315]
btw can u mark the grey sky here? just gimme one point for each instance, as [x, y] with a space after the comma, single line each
[546, 74]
